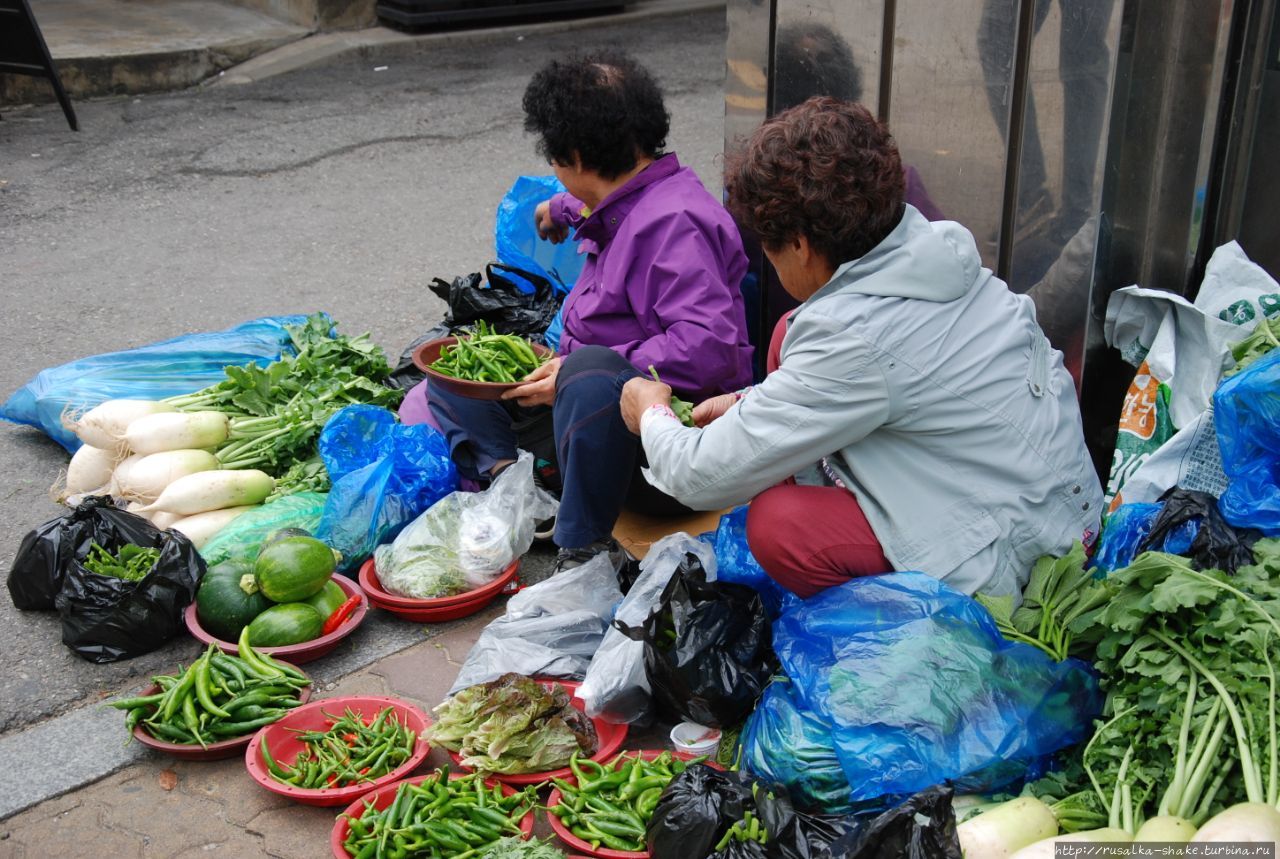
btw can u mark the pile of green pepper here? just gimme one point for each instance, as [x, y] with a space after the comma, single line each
[218, 697]
[611, 803]
[749, 828]
[486, 356]
[131, 563]
[437, 818]
[349, 752]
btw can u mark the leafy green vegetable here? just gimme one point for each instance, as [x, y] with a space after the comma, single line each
[131, 563]
[305, 475]
[1265, 337]
[682, 408]
[1188, 660]
[513, 724]
[277, 411]
[1059, 597]
[517, 848]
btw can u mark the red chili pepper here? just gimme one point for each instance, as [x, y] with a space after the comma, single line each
[340, 614]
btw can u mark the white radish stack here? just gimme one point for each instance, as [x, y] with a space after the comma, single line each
[159, 460]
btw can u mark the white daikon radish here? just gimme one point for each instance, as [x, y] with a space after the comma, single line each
[1048, 848]
[177, 431]
[1166, 829]
[163, 519]
[200, 528]
[89, 473]
[147, 477]
[104, 425]
[214, 490]
[1007, 828]
[1248, 823]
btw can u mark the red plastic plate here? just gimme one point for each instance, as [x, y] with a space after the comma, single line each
[383, 796]
[285, 746]
[304, 651]
[441, 608]
[427, 354]
[577, 843]
[215, 751]
[611, 738]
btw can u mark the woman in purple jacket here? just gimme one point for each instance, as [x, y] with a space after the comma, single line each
[659, 288]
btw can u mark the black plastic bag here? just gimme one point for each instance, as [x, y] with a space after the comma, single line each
[736, 849]
[923, 827]
[695, 810]
[795, 834]
[406, 374]
[46, 553]
[504, 303]
[105, 619]
[1217, 545]
[708, 648]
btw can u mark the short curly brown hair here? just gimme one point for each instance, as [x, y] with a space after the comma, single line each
[825, 169]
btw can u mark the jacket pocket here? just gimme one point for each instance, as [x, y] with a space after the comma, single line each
[959, 532]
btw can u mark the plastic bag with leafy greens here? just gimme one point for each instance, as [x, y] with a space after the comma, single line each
[512, 847]
[466, 539]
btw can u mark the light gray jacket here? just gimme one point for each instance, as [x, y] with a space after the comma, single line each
[934, 396]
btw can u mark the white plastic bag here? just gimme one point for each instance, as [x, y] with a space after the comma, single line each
[616, 687]
[550, 629]
[467, 539]
[1181, 351]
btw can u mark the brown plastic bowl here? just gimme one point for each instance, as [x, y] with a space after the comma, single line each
[228, 748]
[303, 651]
[427, 354]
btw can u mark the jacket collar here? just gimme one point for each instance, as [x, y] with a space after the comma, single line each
[605, 220]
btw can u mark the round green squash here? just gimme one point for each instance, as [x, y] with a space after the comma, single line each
[287, 623]
[327, 601]
[294, 568]
[223, 605]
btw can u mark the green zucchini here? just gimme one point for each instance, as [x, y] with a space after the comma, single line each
[294, 568]
[287, 623]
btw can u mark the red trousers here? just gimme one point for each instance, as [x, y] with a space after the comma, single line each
[809, 538]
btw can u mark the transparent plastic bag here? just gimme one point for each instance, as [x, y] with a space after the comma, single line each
[467, 539]
[616, 686]
[153, 372]
[551, 629]
[920, 688]
[244, 536]
[384, 474]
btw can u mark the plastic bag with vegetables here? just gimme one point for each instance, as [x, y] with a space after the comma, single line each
[467, 539]
[243, 538]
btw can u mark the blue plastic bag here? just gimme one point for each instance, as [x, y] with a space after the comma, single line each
[784, 743]
[167, 369]
[1246, 409]
[516, 236]
[735, 563]
[384, 475]
[920, 688]
[551, 337]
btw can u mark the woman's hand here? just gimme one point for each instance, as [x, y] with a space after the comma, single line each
[708, 410]
[547, 228]
[638, 395]
[538, 388]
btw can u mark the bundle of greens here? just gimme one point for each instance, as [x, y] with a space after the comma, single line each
[131, 563]
[1188, 659]
[1264, 338]
[512, 847]
[1056, 607]
[513, 724]
[277, 411]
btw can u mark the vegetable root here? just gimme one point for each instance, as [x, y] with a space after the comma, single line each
[1007, 828]
[150, 475]
[177, 431]
[104, 425]
[213, 490]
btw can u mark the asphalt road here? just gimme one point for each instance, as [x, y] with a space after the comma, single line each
[345, 188]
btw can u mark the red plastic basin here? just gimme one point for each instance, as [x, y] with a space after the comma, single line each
[577, 843]
[303, 651]
[440, 608]
[214, 751]
[285, 746]
[384, 796]
[611, 738]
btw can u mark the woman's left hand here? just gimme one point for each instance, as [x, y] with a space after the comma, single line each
[638, 395]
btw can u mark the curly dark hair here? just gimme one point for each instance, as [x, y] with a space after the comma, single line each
[813, 59]
[605, 107]
[825, 169]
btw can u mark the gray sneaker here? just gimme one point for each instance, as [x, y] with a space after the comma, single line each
[570, 559]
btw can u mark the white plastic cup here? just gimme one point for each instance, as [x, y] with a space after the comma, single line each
[696, 739]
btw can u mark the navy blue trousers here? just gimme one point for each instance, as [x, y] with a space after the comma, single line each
[599, 459]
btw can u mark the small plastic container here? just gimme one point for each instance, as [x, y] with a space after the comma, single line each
[695, 739]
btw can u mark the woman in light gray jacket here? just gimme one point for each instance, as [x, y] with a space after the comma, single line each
[915, 417]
